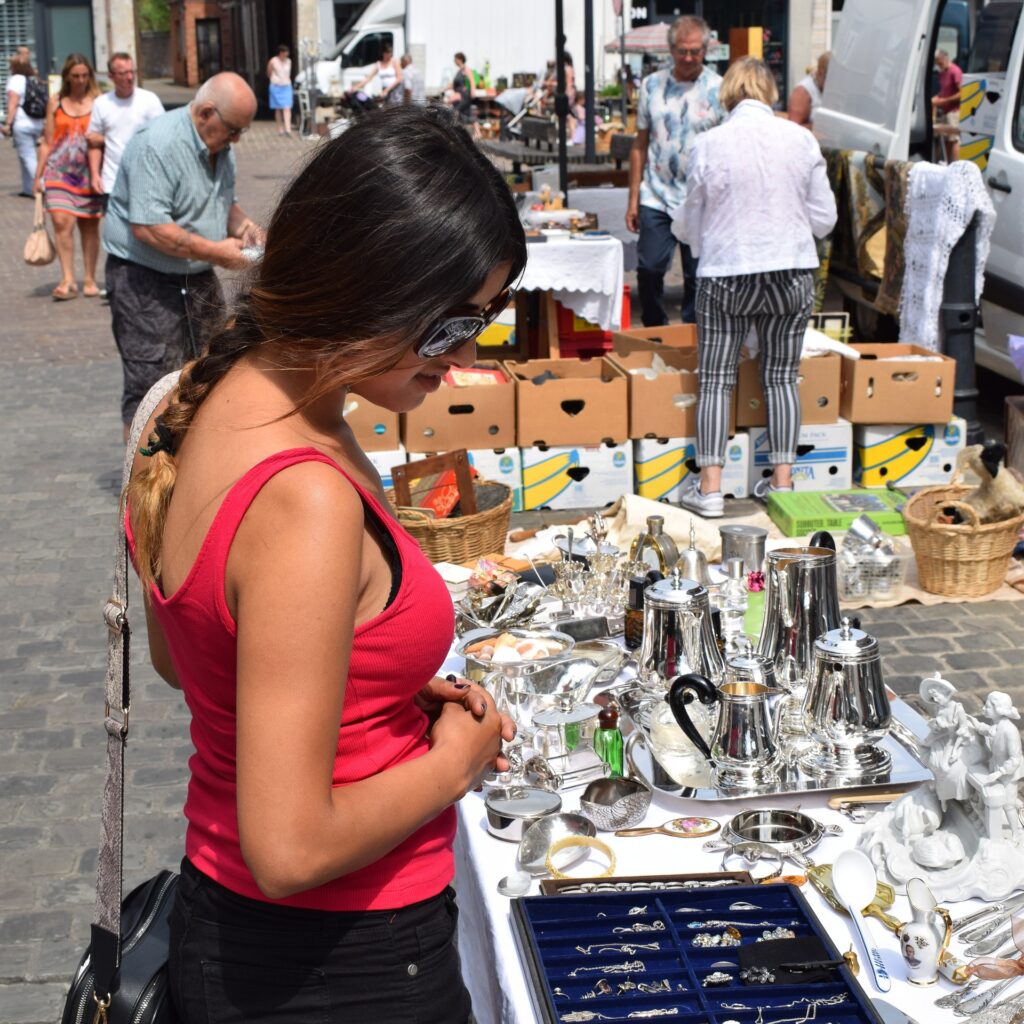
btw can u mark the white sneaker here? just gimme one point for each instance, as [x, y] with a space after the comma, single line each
[711, 506]
[764, 487]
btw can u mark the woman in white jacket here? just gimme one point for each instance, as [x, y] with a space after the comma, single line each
[757, 197]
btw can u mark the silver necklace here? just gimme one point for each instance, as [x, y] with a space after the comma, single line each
[627, 968]
[628, 948]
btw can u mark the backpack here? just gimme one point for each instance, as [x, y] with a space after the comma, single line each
[37, 95]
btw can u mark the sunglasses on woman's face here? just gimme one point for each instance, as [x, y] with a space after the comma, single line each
[452, 332]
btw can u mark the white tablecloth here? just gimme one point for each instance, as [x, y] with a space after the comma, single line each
[584, 275]
[490, 961]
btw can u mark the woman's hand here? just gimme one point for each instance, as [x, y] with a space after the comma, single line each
[451, 688]
[472, 730]
[37, 186]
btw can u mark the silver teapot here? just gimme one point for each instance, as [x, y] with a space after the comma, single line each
[846, 709]
[744, 745]
[678, 636]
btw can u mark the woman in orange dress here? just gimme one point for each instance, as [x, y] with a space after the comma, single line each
[63, 175]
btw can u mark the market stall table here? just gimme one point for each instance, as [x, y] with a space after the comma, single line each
[491, 963]
[583, 274]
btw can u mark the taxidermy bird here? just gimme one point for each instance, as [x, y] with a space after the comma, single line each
[1000, 495]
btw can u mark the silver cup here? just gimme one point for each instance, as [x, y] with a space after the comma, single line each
[746, 542]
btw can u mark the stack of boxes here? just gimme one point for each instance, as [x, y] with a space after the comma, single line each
[577, 433]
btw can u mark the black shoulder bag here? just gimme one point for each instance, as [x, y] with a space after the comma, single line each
[122, 977]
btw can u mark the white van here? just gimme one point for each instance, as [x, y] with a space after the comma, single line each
[877, 98]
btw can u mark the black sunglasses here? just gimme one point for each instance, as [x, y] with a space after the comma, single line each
[452, 332]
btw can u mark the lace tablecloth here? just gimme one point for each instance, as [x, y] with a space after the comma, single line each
[585, 276]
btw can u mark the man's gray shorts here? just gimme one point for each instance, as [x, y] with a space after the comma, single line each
[160, 322]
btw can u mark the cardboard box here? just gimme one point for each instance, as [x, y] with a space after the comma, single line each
[576, 476]
[376, 429]
[820, 378]
[586, 404]
[383, 461]
[909, 456]
[660, 467]
[669, 336]
[885, 386]
[798, 513]
[478, 416]
[666, 405]
[824, 457]
[981, 100]
[502, 465]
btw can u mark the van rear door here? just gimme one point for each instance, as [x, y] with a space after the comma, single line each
[1002, 304]
[879, 58]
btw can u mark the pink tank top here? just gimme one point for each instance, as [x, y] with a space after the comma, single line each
[380, 726]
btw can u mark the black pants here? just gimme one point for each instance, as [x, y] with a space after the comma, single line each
[235, 960]
[160, 322]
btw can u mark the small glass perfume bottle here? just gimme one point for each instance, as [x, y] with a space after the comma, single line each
[732, 602]
[608, 740]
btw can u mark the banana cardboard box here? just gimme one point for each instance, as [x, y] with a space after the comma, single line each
[383, 461]
[502, 465]
[824, 457]
[981, 100]
[907, 456]
[660, 467]
[576, 476]
[376, 429]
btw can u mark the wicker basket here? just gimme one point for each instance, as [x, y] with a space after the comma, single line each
[461, 538]
[966, 560]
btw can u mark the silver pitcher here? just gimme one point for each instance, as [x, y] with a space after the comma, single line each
[678, 636]
[846, 710]
[744, 746]
[801, 603]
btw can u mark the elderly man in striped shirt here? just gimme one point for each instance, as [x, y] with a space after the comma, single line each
[172, 217]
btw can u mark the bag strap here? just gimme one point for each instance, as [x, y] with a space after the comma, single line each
[106, 931]
[39, 217]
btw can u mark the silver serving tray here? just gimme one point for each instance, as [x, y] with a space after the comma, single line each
[906, 769]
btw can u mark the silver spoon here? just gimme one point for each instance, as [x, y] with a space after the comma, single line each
[953, 998]
[975, 1004]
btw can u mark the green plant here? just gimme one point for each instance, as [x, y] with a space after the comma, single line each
[154, 15]
[611, 90]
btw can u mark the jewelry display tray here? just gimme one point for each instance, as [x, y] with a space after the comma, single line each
[635, 703]
[548, 930]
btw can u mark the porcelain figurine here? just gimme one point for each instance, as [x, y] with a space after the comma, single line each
[960, 833]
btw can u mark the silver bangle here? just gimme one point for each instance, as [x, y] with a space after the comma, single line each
[751, 854]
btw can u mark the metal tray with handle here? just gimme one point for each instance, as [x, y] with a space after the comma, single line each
[636, 703]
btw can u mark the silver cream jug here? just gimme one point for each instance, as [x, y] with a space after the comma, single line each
[846, 709]
[678, 636]
[744, 745]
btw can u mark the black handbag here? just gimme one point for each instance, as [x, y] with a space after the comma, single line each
[122, 977]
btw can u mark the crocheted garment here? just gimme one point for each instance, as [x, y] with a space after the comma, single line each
[941, 201]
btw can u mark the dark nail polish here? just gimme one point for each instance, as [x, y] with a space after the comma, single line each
[451, 677]
[459, 686]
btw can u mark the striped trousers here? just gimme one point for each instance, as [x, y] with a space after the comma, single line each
[777, 304]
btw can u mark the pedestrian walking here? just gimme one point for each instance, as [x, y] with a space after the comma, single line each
[946, 103]
[282, 97]
[806, 95]
[757, 197]
[675, 104]
[116, 117]
[26, 117]
[172, 218]
[283, 595]
[459, 93]
[414, 90]
[62, 175]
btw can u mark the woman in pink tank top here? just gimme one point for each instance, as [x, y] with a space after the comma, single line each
[302, 623]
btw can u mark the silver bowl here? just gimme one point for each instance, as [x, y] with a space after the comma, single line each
[512, 810]
[477, 668]
[544, 833]
[612, 804]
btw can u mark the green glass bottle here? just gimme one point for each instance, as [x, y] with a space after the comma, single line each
[608, 740]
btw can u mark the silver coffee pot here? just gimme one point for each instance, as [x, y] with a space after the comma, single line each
[744, 745]
[678, 636]
[846, 710]
[801, 603]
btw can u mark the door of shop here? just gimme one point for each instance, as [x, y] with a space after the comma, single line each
[208, 52]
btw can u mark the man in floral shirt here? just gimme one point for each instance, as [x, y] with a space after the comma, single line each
[675, 104]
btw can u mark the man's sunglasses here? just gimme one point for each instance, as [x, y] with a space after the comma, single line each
[452, 332]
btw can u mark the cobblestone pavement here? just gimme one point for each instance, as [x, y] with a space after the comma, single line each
[59, 465]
